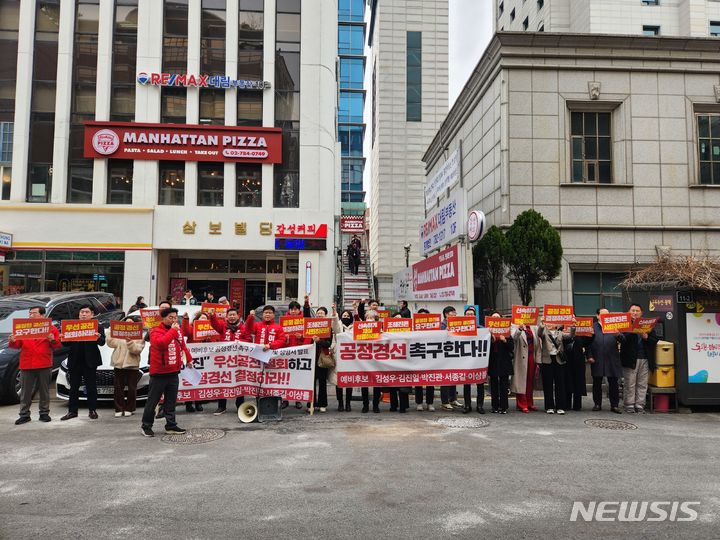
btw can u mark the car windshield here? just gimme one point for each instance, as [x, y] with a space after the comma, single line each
[7, 314]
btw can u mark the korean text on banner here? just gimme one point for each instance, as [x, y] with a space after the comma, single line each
[232, 369]
[383, 313]
[427, 321]
[437, 277]
[397, 324]
[446, 177]
[525, 315]
[443, 225]
[498, 326]
[462, 326]
[203, 330]
[126, 330]
[661, 302]
[616, 322]
[556, 314]
[150, 317]
[293, 324]
[644, 325]
[703, 347]
[367, 330]
[584, 326]
[220, 310]
[30, 328]
[319, 327]
[79, 330]
[413, 359]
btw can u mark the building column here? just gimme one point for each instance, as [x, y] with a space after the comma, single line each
[137, 278]
[63, 103]
[269, 95]
[23, 101]
[231, 61]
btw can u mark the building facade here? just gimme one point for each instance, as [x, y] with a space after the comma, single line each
[695, 18]
[408, 65]
[611, 140]
[252, 218]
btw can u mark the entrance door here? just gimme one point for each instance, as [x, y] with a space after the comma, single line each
[254, 295]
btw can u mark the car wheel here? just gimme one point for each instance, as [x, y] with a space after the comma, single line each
[11, 386]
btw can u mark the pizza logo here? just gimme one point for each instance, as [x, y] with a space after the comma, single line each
[105, 142]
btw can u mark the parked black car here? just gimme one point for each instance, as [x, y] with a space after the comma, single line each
[58, 306]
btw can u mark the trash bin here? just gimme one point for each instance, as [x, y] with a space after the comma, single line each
[664, 374]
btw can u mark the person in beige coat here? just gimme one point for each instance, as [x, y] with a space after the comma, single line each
[126, 362]
[527, 353]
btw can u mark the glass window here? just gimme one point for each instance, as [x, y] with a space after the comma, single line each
[351, 140]
[6, 142]
[709, 148]
[291, 287]
[256, 266]
[287, 106]
[715, 28]
[249, 108]
[288, 6]
[175, 36]
[211, 184]
[591, 147]
[414, 77]
[207, 265]
[352, 72]
[120, 181]
[122, 100]
[287, 67]
[286, 189]
[351, 107]
[275, 266]
[351, 10]
[593, 290]
[648, 30]
[352, 174]
[248, 184]
[351, 39]
[650, 2]
[250, 65]
[212, 40]
[172, 105]
[6, 180]
[80, 183]
[212, 106]
[172, 183]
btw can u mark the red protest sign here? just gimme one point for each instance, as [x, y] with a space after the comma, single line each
[220, 310]
[126, 330]
[462, 326]
[293, 324]
[498, 326]
[525, 315]
[584, 326]
[616, 322]
[202, 330]
[383, 313]
[150, 317]
[366, 330]
[320, 327]
[30, 328]
[426, 321]
[558, 314]
[644, 325]
[79, 330]
[397, 324]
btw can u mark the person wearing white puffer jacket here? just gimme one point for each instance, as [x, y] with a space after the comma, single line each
[126, 362]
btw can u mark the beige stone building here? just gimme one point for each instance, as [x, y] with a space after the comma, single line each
[614, 139]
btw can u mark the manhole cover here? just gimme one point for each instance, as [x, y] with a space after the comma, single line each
[463, 422]
[615, 425]
[195, 436]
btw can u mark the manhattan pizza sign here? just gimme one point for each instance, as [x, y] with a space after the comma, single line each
[437, 277]
[129, 140]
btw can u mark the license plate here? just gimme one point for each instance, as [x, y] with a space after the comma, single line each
[101, 389]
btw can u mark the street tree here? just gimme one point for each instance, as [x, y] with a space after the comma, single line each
[489, 265]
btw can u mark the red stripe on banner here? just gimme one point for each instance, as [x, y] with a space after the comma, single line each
[436, 377]
[211, 394]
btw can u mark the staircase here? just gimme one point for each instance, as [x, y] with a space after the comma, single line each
[355, 288]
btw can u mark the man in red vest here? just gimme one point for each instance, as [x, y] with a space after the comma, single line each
[36, 363]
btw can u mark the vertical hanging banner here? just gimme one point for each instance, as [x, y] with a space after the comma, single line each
[237, 294]
[443, 225]
[413, 359]
[446, 177]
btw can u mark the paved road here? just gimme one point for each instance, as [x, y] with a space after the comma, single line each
[347, 475]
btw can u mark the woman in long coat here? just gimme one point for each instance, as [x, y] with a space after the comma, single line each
[500, 367]
[527, 354]
[604, 357]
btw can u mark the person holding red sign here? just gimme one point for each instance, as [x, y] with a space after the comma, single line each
[429, 390]
[500, 368]
[637, 356]
[267, 332]
[126, 363]
[296, 340]
[576, 350]
[467, 388]
[552, 368]
[187, 330]
[36, 363]
[168, 352]
[326, 348]
[604, 358]
[342, 323]
[448, 394]
[231, 329]
[527, 354]
[83, 361]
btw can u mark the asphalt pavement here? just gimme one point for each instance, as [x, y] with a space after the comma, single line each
[352, 475]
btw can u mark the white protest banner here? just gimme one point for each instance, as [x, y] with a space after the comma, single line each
[443, 225]
[446, 177]
[231, 369]
[413, 359]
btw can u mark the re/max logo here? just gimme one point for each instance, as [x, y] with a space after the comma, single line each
[634, 511]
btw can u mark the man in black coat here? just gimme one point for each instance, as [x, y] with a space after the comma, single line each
[83, 361]
[637, 355]
[604, 358]
[576, 351]
[404, 310]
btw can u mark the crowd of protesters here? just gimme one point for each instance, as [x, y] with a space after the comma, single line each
[531, 353]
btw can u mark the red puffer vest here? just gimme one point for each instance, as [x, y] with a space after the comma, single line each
[166, 349]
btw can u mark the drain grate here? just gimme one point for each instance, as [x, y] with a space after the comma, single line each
[463, 422]
[615, 425]
[195, 436]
